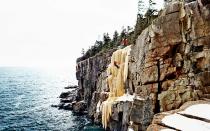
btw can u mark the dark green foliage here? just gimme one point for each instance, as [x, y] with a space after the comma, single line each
[107, 41]
[123, 33]
[116, 40]
[143, 21]
[99, 46]
[152, 10]
[83, 51]
[115, 36]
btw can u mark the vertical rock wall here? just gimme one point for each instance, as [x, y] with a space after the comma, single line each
[169, 65]
[91, 75]
[170, 60]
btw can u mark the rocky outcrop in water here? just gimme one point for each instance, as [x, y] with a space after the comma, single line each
[168, 66]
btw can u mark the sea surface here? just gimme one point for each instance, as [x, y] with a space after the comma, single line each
[26, 96]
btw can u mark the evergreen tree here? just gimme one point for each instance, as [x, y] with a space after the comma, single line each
[141, 7]
[99, 45]
[143, 21]
[123, 33]
[128, 29]
[115, 36]
[106, 40]
[151, 9]
[83, 51]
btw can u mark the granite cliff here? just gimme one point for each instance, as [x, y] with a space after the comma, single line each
[168, 66]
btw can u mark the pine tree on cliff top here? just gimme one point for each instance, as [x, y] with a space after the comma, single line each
[83, 51]
[144, 19]
[106, 41]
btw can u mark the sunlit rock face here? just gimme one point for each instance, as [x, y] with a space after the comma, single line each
[171, 58]
[168, 66]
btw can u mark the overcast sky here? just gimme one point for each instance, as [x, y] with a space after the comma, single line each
[53, 32]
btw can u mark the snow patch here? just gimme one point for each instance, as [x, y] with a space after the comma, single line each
[199, 110]
[139, 98]
[98, 106]
[185, 124]
[126, 97]
[130, 129]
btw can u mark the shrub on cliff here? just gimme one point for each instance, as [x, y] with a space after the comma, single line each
[144, 19]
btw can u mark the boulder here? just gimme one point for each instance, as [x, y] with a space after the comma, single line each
[60, 105]
[79, 107]
[71, 87]
[68, 106]
[142, 113]
[65, 94]
[67, 100]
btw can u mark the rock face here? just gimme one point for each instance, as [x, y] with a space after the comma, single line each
[169, 65]
[171, 57]
[91, 75]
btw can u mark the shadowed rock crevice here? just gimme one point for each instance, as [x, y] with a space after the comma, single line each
[157, 103]
[168, 127]
[195, 117]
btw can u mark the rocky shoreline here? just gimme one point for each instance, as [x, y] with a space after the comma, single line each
[69, 101]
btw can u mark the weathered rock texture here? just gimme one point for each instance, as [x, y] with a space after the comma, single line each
[91, 75]
[170, 60]
[169, 65]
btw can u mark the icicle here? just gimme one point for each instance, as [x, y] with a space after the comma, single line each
[98, 106]
[182, 10]
[117, 75]
[182, 16]
[126, 63]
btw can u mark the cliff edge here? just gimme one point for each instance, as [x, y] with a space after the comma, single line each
[168, 66]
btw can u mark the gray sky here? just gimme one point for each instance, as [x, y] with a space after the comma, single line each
[53, 32]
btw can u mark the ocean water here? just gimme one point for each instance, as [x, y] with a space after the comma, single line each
[26, 96]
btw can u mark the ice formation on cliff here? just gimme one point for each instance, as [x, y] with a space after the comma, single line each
[117, 75]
